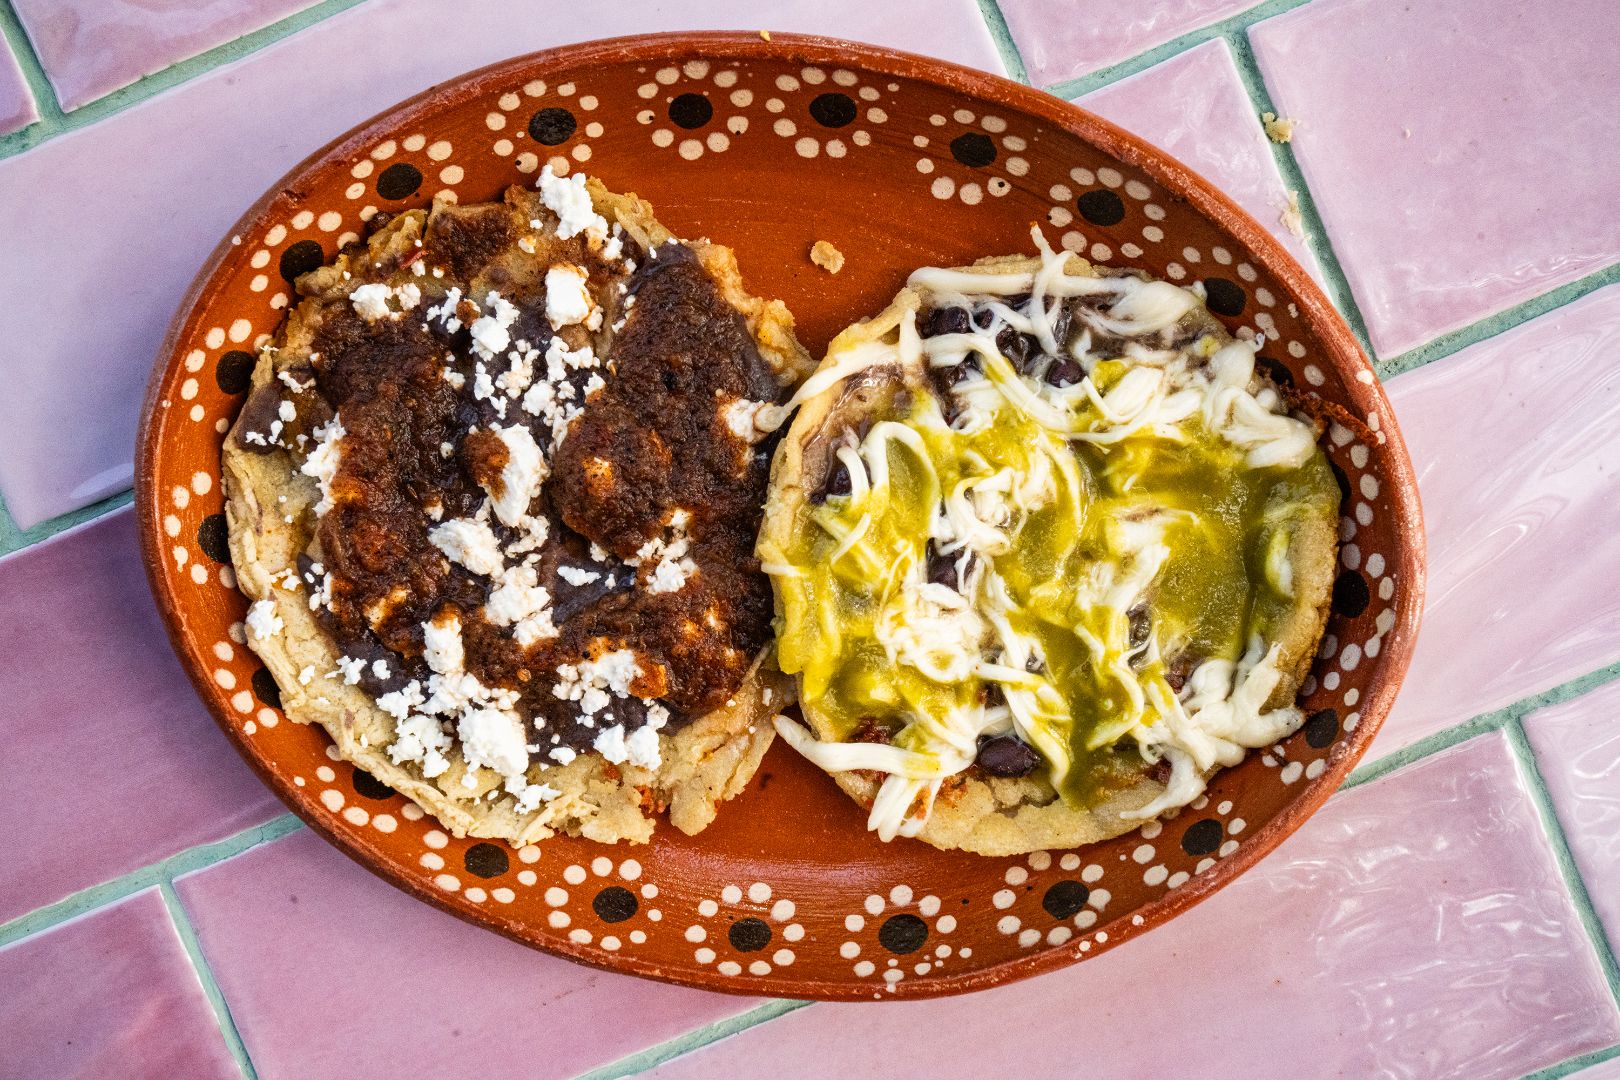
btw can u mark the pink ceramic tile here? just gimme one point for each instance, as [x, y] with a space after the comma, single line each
[1516, 442]
[1417, 927]
[110, 761]
[398, 981]
[1605, 1070]
[103, 275]
[108, 994]
[1578, 748]
[1064, 39]
[1461, 158]
[17, 108]
[92, 47]
[1195, 108]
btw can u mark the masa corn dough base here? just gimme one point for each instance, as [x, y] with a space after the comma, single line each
[704, 763]
[974, 811]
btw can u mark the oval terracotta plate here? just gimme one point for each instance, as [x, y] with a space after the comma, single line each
[768, 147]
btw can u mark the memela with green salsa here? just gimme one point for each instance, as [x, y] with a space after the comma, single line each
[1047, 552]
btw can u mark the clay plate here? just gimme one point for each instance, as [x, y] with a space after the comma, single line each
[769, 146]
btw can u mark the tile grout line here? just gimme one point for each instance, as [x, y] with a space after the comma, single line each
[696, 1039]
[1112, 73]
[205, 974]
[1574, 883]
[60, 122]
[1500, 323]
[14, 539]
[33, 68]
[1569, 1066]
[1494, 720]
[1564, 855]
[1012, 58]
[1316, 233]
[95, 897]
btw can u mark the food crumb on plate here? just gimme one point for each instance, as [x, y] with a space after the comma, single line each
[827, 257]
[1280, 129]
[1290, 216]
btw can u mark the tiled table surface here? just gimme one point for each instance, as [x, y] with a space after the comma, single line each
[1456, 912]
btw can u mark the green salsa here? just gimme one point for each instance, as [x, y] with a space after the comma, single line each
[1094, 530]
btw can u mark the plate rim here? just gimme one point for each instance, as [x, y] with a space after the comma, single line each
[1340, 348]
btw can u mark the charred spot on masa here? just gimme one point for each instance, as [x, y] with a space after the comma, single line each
[464, 241]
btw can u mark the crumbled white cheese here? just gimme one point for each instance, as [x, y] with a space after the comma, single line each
[379, 669]
[291, 382]
[518, 600]
[371, 301]
[751, 421]
[445, 310]
[562, 755]
[577, 576]
[399, 703]
[470, 543]
[671, 566]
[492, 738]
[420, 739]
[568, 299]
[525, 470]
[441, 646]
[349, 669]
[610, 744]
[408, 296]
[322, 463]
[263, 621]
[591, 681]
[491, 333]
[568, 199]
[529, 796]
[641, 746]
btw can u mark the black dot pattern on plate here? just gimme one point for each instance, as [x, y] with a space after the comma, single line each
[552, 125]
[616, 904]
[304, 256]
[833, 110]
[1224, 297]
[370, 787]
[486, 860]
[1101, 207]
[399, 181]
[211, 537]
[1065, 899]
[265, 688]
[1274, 371]
[749, 935]
[903, 933]
[1351, 594]
[690, 111]
[973, 149]
[1201, 837]
[234, 372]
[1321, 728]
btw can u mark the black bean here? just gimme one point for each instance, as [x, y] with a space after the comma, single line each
[1006, 755]
[1065, 373]
[951, 320]
[942, 569]
[837, 481]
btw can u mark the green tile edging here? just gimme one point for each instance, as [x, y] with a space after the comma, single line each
[54, 121]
